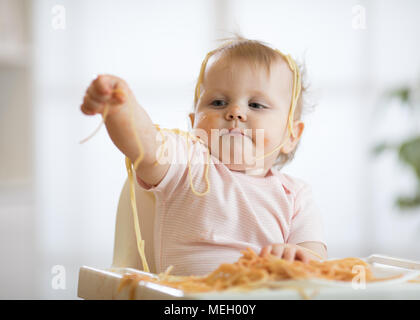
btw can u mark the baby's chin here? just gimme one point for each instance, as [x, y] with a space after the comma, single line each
[235, 167]
[249, 170]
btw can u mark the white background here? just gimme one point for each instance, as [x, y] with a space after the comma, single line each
[58, 198]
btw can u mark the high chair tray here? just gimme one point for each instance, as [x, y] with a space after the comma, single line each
[103, 284]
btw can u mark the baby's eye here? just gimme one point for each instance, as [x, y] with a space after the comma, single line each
[219, 103]
[256, 105]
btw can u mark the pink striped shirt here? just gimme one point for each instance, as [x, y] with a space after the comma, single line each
[196, 234]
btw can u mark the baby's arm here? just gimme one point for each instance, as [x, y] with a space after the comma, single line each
[114, 92]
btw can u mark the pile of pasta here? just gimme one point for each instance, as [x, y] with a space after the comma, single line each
[252, 271]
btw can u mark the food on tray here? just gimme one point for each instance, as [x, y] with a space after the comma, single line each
[252, 271]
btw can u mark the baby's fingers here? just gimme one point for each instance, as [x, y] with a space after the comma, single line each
[99, 91]
[110, 88]
[278, 250]
[302, 256]
[91, 106]
[286, 252]
[265, 251]
[118, 95]
[103, 84]
[289, 253]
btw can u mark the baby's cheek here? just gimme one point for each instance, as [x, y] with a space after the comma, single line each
[264, 144]
[207, 122]
[201, 117]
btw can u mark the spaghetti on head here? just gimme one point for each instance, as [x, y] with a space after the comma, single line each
[258, 53]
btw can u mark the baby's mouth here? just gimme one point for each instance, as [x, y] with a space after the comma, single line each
[233, 132]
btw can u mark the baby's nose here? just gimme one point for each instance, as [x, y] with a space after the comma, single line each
[235, 114]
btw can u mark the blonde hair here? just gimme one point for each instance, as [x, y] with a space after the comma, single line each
[261, 55]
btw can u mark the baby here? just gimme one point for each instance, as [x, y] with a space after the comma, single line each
[218, 189]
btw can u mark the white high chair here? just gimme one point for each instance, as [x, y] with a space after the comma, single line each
[103, 283]
[126, 254]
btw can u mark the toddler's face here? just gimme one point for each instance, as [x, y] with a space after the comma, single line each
[236, 94]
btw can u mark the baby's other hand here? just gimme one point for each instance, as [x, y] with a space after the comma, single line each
[288, 252]
[104, 90]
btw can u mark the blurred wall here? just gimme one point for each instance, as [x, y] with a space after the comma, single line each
[17, 210]
[15, 78]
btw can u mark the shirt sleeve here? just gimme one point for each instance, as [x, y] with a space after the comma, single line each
[175, 152]
[306, 221]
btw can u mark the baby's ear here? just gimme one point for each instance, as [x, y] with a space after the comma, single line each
[192, 117]
[291, 142]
